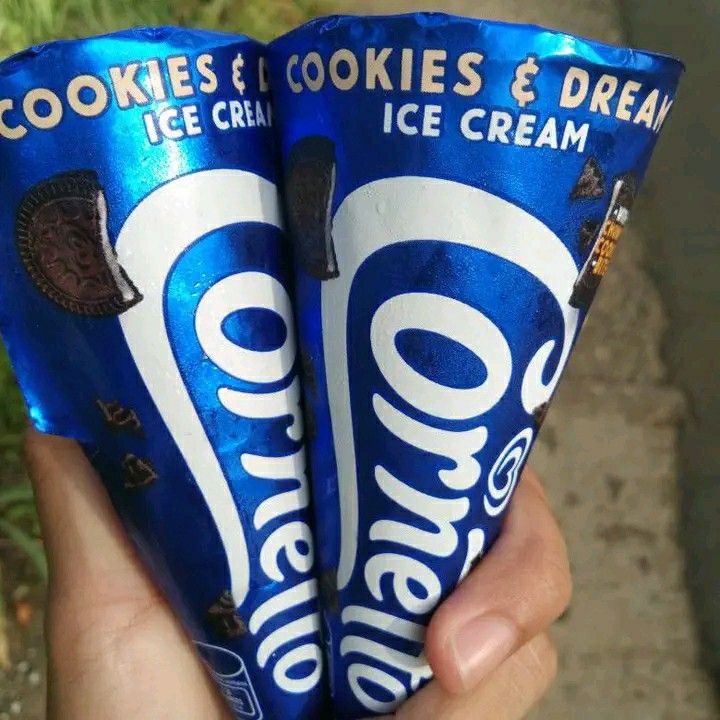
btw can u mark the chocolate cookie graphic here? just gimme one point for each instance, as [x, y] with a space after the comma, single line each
[223, 619]
[63, 241]
[591, 183]
[309, 190]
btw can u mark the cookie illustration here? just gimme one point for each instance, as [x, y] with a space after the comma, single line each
[591, 183]
[63, 240]
[223, 619]
[138, 473]
[309, 190]
[119, 418]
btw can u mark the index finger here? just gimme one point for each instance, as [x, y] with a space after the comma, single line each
[84, 539]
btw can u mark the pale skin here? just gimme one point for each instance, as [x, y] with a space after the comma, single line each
[116, 651]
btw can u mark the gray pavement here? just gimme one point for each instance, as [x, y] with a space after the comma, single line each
[609, 456]
[684, 224]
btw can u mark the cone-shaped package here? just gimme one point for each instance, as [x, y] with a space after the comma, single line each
[146, 311]
[455, 190]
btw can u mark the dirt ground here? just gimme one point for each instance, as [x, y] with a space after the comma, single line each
[22, 682]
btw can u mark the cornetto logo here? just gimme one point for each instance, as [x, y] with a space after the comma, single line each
[398, 559]
[150, 244]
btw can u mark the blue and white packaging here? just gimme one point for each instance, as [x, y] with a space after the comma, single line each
[147, 313]
[455, 190]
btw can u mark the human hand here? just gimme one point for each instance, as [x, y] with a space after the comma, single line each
[115, 650]
[488, 642]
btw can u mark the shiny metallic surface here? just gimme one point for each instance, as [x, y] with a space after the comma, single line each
[146, 311]
[471, 222]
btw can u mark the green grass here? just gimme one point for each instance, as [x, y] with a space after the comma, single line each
[25, 22]
[28, 22]
[18, 521]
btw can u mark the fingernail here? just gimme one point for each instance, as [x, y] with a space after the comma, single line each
[481, 645]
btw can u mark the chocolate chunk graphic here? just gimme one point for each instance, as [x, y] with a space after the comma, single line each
[138, 473]
[119, 418]
[540, 414]
[223, 619]
[309, 190]
[588, 233]
[329, 591]
[63, 240]
[591, 183]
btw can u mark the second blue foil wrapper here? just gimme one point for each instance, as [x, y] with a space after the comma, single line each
[455, 190]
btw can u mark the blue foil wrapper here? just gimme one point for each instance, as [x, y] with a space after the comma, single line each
[455, 190]
[147, 314]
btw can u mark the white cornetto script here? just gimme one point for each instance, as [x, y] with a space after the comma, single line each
[160, 229]
[369, 219]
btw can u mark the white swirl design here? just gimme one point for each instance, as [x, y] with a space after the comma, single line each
[507, 469]
[402, 209]
[159, 230]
